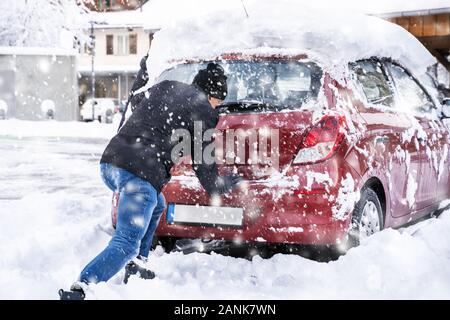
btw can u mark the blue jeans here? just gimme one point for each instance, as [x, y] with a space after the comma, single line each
[140, 208]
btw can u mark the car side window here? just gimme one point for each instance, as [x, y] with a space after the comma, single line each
[412, 96]
[374, 82]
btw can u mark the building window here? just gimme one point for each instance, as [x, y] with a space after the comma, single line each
[133, 43]
[109, 44]
[105, 4]
[122, 45]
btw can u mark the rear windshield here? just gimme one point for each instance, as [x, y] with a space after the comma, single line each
[260, 85]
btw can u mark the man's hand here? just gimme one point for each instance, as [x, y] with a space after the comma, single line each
[227, 183]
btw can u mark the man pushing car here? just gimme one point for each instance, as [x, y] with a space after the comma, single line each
[137, 163]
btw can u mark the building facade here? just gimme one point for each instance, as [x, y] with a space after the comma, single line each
[113, 5]
[38, 83]
[432, 28]
[120, 44]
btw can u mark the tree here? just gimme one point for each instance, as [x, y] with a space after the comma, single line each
[41, 23]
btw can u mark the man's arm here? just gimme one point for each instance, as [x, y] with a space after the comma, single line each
[141, 80]
[209, 177]
[136, 100]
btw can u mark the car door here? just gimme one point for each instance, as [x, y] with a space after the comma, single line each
[384, 128]
[416, 102]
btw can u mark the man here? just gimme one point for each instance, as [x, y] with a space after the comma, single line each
[137, 163]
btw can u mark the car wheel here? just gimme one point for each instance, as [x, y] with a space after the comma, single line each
[168, 243]
[2, 114]
[367, 217]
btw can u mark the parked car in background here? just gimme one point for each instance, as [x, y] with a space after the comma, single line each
[101, 109]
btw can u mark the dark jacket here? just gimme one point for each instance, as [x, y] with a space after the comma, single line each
[143, 145]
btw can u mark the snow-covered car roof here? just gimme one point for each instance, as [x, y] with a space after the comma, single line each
[284, 27]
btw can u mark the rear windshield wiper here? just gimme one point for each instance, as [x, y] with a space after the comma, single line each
[243, 106]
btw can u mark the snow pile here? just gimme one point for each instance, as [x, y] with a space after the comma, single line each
[58, 240]
[54, 210]
[409, 264]
[43, 236]
[209, 29]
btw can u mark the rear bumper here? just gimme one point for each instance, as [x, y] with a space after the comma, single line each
[285, 211]
[270, 227]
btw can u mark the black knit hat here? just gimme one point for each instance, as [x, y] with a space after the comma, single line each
[212, 81]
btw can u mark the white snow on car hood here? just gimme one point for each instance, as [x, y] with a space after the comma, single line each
[286, 26]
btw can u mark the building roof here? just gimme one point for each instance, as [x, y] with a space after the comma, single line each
[381, 7]
[39, 51]
[156, 13]
[118, 19]
[117, 5]
[423, 12]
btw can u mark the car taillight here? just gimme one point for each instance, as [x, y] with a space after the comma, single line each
[321, 141]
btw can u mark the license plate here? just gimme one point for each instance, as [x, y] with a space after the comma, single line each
[204, 215]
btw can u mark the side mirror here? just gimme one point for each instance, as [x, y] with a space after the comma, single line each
[446, 108]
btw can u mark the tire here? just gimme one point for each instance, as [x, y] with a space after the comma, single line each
[367, 217]
[168, 243]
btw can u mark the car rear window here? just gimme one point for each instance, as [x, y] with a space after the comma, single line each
[273, 84]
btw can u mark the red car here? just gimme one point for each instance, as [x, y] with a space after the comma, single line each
[352, 159]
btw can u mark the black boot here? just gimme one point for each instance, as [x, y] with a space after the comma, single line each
[132, 268]
[76, 293]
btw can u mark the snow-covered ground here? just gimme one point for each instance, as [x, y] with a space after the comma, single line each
[53, 206]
